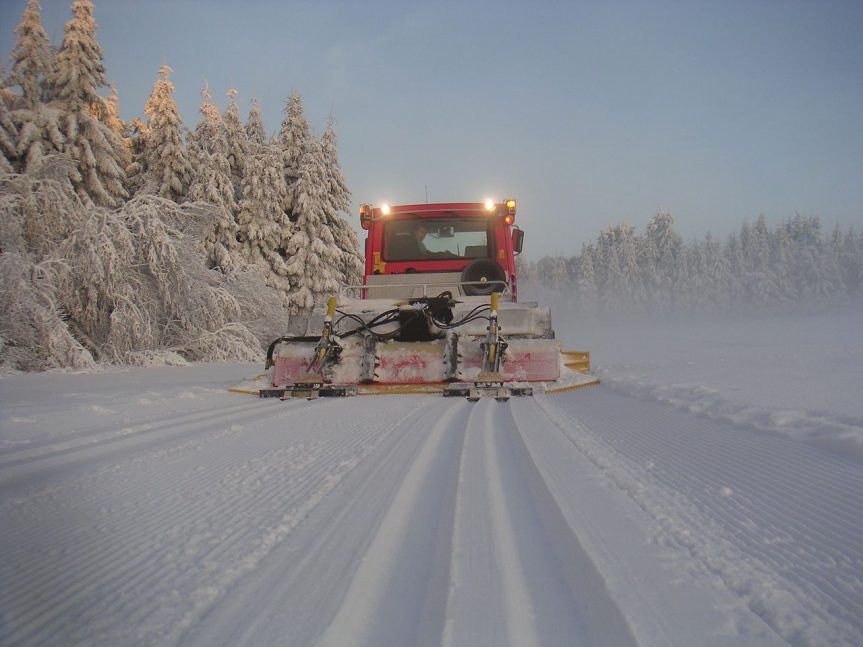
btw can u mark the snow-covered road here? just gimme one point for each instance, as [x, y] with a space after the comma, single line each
[149, 506]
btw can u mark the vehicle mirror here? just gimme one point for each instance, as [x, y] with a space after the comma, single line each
[517, 240]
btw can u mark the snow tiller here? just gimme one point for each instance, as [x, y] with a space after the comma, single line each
[437, 313]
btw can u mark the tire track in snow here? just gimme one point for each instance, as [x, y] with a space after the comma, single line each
[692, 477]
[519, 574]
[386, 602]
[519, 609]
[297, 592]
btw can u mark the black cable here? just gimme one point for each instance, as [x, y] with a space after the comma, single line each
[392, 315]
[472, 315]
[382, 318]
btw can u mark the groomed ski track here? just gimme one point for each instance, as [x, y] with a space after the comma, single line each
[585, 518]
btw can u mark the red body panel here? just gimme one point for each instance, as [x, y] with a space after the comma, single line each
[526, 360]
[410, 363]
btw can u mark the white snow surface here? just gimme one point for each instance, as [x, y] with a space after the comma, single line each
[707, 493]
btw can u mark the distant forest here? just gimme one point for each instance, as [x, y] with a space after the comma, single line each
[792, 266]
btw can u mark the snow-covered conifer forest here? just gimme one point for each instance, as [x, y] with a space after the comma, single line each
[794, 266]
[148, 242]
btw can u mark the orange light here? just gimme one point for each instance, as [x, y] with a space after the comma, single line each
[508, 220]
[510, 204]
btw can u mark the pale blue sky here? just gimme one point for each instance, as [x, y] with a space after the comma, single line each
[589, 113]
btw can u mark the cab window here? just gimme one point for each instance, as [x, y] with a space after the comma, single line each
[436, 239]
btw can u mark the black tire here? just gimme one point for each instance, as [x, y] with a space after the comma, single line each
[485, 270]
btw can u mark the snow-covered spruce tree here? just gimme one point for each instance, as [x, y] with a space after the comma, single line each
[78, 75]
[716, 270]
[760, 285]
[237, 143]
[208, 153]
[663, 248]
[522, 271]
[28, 121]
[35, 216]
[623, 288]
[696, 279]
[108, 112]
[212, 183]
[39, 137]
[586, 282]
[161, 165]
[38, 214]
[8, 135]
[553, 272]
[34, 335]
[544, 269]
[733, 253]
[805, 236]
[337, 188]
[780, 262]
[608, 271]
[350, 261]
[78, 281]
[629, 244]
[293, 141]
[832, 287]
[851, 263]
[32, 58]
[255, 131]
[264, 227]
[136, 298]
[313, 258]
[307, 253]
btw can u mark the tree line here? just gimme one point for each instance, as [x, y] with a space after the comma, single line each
[142, 241]
[791, 266]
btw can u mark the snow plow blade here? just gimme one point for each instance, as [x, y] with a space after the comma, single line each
[470, 348]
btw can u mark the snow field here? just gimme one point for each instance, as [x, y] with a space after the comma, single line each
[149, 506]
[771, 521]
[138, 543]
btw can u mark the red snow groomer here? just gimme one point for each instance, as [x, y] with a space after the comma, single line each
[437, 312]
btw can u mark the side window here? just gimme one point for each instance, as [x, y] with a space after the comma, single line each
[401, 241]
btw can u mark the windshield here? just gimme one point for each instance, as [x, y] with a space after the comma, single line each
[438, 238]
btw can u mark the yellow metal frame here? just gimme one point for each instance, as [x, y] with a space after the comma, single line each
[576, 360]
